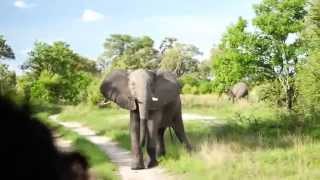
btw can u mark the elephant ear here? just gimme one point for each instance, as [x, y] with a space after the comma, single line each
[166, 89]
[115, 88]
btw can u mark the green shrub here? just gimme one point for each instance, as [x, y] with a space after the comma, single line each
[54, 88]
[94, 95]
[187, 89]
[271, 92]
[194, 90]
[204, 87]
[308, 86]
[7, 81]
[191, 79]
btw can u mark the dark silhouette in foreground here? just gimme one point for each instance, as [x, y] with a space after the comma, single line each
[28, 150]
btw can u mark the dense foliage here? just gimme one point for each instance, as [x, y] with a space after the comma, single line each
[272, 52]
[7, 77]
[127, 52]
[308, 83]
[57, 74]
[180, 59]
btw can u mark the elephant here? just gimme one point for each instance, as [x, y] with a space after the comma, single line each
[153, 99]
[239, 90]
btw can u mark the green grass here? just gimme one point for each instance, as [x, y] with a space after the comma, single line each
[257, 141]
[100, 166]
[112, 122]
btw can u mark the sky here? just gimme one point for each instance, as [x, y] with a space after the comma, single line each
[85, 24]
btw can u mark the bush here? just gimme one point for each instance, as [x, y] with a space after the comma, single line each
[186, 89]
[205, 87]
[7, 81]
[190, 79]
[53, 88]
[194, 90]
[271, 92]
[308, 86]
[94, 95]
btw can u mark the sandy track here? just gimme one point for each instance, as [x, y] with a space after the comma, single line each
[118, 155]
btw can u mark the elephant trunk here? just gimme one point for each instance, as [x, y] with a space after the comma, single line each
[144, 103]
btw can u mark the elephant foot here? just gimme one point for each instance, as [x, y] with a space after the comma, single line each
[136, 165]
[151, 163]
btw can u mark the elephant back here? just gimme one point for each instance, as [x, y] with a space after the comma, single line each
[240, 90]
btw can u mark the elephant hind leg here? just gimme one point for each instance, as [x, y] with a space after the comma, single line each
[160, 143]
[180, 132]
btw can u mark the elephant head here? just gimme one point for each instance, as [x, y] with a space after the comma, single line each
[140, 90]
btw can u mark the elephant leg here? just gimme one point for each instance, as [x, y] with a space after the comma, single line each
[160, 143]
[137, 161]
[151, 144]
[180, 132]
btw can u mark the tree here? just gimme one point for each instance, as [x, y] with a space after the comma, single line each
[167, 43]
[58, 74]
[180, 59]
[272, 52]
[308, 76]
[5, 50]
[204, 70]
[232, 61]
[277, 20]
[127, 52]
[7, 78]
[311, 32]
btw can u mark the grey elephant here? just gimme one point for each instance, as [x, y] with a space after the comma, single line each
[154, 103]
[239, 90]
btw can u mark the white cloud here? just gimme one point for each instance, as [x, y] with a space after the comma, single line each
[89, 15]
[23, 4]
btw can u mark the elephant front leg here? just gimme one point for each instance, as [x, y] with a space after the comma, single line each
[137, 160]
[151, 144]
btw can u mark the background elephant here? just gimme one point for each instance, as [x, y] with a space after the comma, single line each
[239, 90]
[154, 103]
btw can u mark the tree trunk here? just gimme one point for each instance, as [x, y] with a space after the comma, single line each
[289, 99]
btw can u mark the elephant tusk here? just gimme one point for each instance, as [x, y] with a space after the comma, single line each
[154, 99]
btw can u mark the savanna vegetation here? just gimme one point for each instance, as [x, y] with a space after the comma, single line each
[273, 135]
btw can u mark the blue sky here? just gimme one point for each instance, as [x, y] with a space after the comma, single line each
[85, 24]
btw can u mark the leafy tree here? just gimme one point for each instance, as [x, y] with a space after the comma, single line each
[266, 53]
[308, 75]
[5, 50]
[311, 32]
[204, 70]
[127, 52]
[7, 78]
[56, 58]
[59, 75]
[231, 61]
[180, 59]
[308, 85]
[277, 20]
[167, 43]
